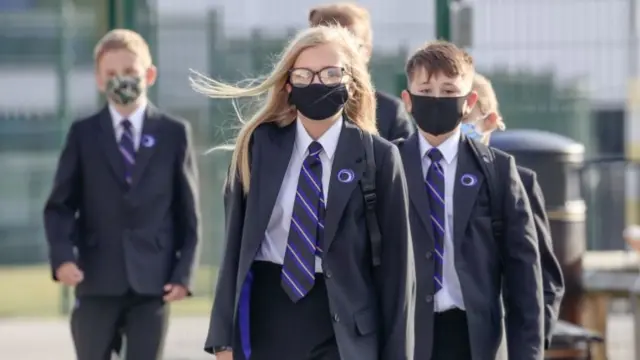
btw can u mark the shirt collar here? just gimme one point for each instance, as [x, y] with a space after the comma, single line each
[449, 148]
[136, 118]
[328, 140]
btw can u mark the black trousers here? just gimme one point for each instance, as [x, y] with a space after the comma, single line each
[451, 336]
[98, 322]
[284, 330]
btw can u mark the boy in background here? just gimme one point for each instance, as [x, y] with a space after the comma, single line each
[479, 124]
[122, 219]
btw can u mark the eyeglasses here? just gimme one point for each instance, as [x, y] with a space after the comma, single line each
[329, 76]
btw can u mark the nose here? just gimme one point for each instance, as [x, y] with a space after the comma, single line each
[316, 79]
[437, 93]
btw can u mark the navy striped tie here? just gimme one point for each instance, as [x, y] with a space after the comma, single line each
[435, 189]
[307, 227]
[127, 149]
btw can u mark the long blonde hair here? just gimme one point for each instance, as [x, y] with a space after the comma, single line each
[360, 107]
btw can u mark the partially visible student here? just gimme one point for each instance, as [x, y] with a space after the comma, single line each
[460, 266]
[393, 122]
[297, 280]
[122, 219]
[479, 124]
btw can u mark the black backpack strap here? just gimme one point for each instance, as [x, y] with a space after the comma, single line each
[486, 158]
[368, 186]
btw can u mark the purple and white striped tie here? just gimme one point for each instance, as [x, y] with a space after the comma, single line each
[436, 190]
[307, 229]
[127, 149]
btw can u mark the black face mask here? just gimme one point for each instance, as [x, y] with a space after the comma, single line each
[319, 101]
[437, 115]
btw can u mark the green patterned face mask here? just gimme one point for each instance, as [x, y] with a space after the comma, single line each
[124, 90]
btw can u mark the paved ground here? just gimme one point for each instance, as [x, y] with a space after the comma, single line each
[50, 340]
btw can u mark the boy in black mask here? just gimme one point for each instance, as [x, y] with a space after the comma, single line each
[463, 253]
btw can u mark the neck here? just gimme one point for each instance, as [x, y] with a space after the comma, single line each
[485, 139]
[126, 110]
[316, 128]
[436, 140]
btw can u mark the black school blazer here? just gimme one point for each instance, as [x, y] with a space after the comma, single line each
[372, 309]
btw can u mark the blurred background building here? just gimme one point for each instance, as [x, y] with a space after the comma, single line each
[563, 66]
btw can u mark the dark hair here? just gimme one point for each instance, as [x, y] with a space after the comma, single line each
[440, 57]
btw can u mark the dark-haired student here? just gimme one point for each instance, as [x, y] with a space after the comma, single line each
[461, 267]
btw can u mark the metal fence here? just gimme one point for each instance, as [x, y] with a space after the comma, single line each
[569, 80]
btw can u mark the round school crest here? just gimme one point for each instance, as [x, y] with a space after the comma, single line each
[148, 141]
[346, 175]
[468, 180]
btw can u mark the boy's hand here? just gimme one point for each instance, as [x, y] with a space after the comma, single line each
[224, 355]
[173, 292]
[69, 274]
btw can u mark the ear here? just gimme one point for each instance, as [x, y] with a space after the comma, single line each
[406, 99]
[472, 99]
[287, 87]
[312, 15]
[151, 76]
[491, 122]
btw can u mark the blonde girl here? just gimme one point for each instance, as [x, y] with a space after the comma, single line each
[297, 281]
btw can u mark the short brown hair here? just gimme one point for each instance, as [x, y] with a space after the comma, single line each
[440, 57]
[123, 39]
[345, 14]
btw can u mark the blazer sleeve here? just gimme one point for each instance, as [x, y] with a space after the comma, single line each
[222, 315]
[552, 279]
[522, 274]
[187, 211]
[395, 277]
[63, 203]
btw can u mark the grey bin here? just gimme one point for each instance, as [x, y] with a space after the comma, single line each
[571, 342]
[557, 160]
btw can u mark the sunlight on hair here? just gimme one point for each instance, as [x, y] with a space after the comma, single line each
[274, 107]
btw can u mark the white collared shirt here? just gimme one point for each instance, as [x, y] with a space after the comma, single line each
[276, 236]
[136, 119]
[450, 296]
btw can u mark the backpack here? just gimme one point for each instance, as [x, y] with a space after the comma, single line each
[368, 187]
[486, 159]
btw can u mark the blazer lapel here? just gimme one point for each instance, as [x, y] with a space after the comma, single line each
[149, 139]
[274, 156]
[349, 155]
[107, 139]
[468, 180]
[415, 181]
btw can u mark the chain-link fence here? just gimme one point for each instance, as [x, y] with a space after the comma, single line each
[558, 66]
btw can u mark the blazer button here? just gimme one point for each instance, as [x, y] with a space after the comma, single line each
[429, 298]
[429, 255]
[328, 274]
[336, 318]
